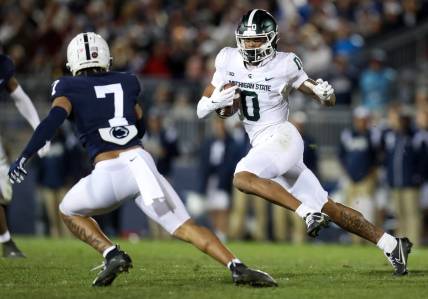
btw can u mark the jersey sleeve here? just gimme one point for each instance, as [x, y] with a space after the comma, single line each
[137, 84]
[219, 77]
[59, 88]
[296, 73]
[7, 70]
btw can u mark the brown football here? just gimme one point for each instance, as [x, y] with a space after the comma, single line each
[232, 109]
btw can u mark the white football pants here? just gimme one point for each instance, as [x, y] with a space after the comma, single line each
[277, 154]
[114, 181]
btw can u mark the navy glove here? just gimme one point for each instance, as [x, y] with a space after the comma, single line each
[17, 172]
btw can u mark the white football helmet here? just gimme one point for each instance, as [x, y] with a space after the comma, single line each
[87, 50]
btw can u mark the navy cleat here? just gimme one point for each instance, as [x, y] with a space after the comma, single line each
[10, 250]
[398, 257]
[111, 267]
[315, 222]
[242, 275]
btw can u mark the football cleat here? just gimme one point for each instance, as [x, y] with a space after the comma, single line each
[398, 257]
[242, 275]
[315, 222]
[120, 262]
[10, 250]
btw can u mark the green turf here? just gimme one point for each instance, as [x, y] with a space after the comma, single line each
[171, 269]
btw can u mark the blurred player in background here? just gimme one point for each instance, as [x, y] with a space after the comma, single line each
[24, 105]
[274, 164]
[103, 106]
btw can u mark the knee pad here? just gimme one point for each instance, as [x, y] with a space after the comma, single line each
[308, 190]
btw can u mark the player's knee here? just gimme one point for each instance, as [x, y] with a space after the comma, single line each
[63, 210]
[185, 231]
[243, 181]
[66, 209]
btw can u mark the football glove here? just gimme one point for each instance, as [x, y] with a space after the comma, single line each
[323, 90]
[222, 98]
[17, 171]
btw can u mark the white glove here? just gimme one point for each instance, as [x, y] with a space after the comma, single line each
[44, 150]
[223, 98]
[324, 91]
[218, 99]
[5, 186]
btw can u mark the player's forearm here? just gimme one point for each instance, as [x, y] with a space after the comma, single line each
[25, 106]
[204, 107]
[45, 131]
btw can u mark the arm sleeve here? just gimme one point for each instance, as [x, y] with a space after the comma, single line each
[219, 75]
[25, 106]
[45, 131]
[296, 74]
[7, 70]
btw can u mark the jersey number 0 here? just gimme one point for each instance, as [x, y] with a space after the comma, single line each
[250, 102]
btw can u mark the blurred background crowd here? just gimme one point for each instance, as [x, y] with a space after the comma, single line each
[370, 151]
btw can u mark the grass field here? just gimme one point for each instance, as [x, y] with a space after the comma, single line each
[171, 269]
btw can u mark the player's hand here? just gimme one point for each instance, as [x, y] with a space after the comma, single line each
[5, 187]
[324, 92]
[223, 98]
[17, 171]
[44, 150]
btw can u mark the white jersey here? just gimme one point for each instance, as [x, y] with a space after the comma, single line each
[264, 88]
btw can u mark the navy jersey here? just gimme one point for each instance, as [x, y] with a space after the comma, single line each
[103, 109]
[7, 70]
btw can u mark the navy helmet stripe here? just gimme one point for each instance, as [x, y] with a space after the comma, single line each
[85, 40]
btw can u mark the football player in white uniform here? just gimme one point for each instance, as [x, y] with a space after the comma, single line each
[274, 168]
[24, 105]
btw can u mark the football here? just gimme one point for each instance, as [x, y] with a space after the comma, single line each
[232, 109]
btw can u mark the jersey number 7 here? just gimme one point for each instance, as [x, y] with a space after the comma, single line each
[119, 132]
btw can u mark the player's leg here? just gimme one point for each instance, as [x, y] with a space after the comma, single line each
[395, 249]
[303, 184]
[170, 212]
[100, 192]
[10, 250]
[279, 153]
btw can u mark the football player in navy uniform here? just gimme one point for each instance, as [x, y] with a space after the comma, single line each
[273, 168]
[9, 83]
[103, 107]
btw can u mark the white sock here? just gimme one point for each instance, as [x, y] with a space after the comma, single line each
[105, 252]
[5, 237]
[387, 243]
[234, 261]
[303, 210]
